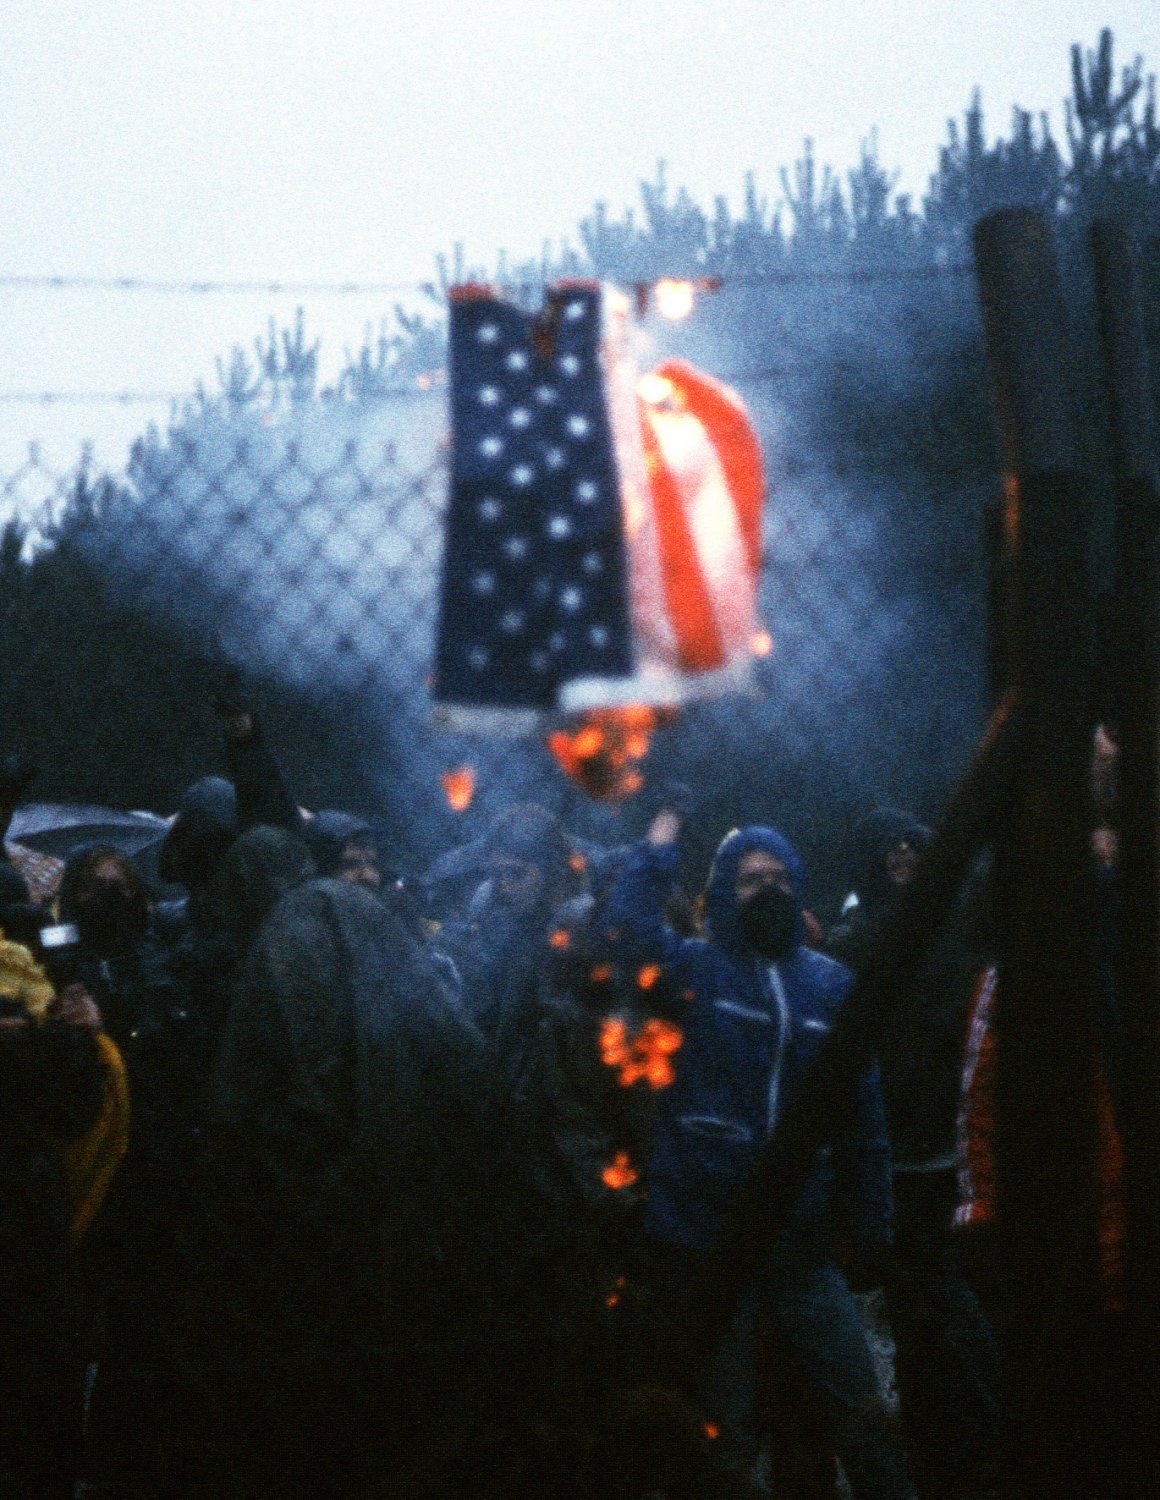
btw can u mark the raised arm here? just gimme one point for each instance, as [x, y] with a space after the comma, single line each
[637, 930]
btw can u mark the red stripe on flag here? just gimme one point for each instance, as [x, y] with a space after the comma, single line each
[725, 421]
[689, 605]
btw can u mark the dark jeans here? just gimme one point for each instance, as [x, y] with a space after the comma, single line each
[795, 1368]
[946, 1362]
[814, 1327]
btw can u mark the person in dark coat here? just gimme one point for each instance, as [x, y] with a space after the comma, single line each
[118, 963]
[576, 1107]
[758, 1005]
[341, 1298]
[204, 827]
[262, 866]
[499, 945]
[344, 848]
[945, 1360]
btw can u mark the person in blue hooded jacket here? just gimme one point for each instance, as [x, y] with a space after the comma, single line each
[756, 1005]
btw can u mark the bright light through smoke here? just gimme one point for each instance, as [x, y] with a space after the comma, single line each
[674, 299]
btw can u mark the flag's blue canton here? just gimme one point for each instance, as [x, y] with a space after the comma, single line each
[534, 575]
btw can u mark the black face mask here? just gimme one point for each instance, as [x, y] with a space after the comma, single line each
[111, 921]
[769, 921]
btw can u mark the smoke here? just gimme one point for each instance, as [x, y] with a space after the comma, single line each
[303, 536]
[872, 407]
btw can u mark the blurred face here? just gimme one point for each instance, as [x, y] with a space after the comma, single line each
[360, 866]
[756, 869]
[110, 909]
[517, 882]
[107, 875]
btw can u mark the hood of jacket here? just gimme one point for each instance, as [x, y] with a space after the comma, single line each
[722, 914]
[874, 837]
[205, 826]
[329, 832]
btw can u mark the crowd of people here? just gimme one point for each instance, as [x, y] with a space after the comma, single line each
[319, 1180]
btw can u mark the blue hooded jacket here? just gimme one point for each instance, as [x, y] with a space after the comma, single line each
[750, 1029]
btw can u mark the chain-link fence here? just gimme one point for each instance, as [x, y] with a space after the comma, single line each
[299, 536]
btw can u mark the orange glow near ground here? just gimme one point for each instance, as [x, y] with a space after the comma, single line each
[459, 787]
[620, 1173]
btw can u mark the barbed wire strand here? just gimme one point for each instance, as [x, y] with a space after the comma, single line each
[433, 290]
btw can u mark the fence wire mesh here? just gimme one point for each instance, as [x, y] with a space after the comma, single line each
[300, 537]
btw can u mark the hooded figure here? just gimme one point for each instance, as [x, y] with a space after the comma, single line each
[164, 1042]
[499, 948]
[944, 1358]
[344, 847]
[922, 1060]
[885, 848]
[204, 828]
[261, 867]
[758, 1005]
[342, 1242]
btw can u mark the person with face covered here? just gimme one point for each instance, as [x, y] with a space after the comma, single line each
[758, 1004]
[170, 1052]
[117, 963]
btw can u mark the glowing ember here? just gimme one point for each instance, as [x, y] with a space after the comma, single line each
[614, 1048]
[674, 299]
[648, 976]
[647, 1055]
[601, 974]
[459, 787]
[762, 643]
[712, 1430]
[600, 754]
[559, 939]
[577, 863]
[612, 1299]
[620, 1173]
[588, 742]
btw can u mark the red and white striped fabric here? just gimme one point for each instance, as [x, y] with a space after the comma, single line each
[692, 489]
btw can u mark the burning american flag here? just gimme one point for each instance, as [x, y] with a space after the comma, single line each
[603, 540]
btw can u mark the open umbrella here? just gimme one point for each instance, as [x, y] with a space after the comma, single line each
[52, 830]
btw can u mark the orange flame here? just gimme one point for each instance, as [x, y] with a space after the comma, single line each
[459, 787]
[619, 1173]
[559, 939]
[647, 1055]
[601, 752]
[648, 976]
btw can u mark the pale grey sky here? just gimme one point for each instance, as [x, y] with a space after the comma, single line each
[352, 139]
